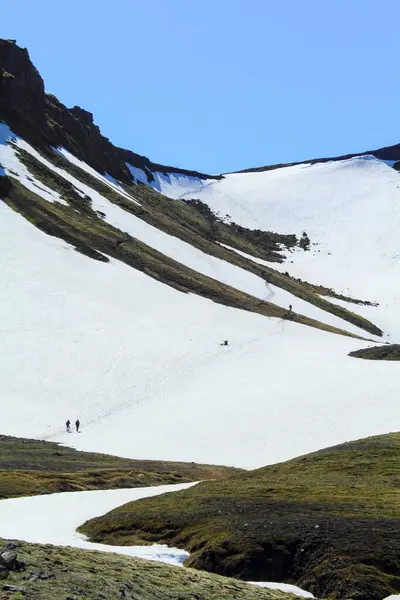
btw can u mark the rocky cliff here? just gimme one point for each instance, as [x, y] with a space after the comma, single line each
[42, 120]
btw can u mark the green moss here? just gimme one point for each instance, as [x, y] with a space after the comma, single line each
[287, 522]
[387, 352]
[30, 467]
[6, 75]
[103, 576]
[67, 191]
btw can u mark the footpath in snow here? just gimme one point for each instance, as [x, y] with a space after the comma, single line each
[141, 365]
[350, 210]
[54, 518]
[168, 245]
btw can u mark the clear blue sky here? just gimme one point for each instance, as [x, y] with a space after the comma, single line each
[221, 85]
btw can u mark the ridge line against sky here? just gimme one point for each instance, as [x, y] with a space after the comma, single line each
[225, 85]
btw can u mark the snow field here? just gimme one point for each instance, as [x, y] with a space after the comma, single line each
[12, 166]
[141, 365]
[177, 249]
[351, 212]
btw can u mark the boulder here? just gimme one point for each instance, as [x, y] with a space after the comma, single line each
[9, 559]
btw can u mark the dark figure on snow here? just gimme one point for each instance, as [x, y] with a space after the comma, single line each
[290, 314]
[77, 423]
[224, 343]
[68, 426]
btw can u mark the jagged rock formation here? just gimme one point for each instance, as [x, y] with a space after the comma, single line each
[42, 120]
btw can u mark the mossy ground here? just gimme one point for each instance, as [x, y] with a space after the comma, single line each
[336, 511]
[387, 352]
[31, 467]
[86, 575]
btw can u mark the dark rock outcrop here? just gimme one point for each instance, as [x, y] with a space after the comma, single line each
[15, 589]
[9, 560]
[391, 153]
[43, 120]
[22, 95]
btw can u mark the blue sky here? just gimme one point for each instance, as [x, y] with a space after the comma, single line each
[221, 85]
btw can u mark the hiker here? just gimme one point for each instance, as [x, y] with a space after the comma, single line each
[77, 423]
[290, 309]
[68, 426]
[225, 343]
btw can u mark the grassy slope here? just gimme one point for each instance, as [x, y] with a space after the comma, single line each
[30, 467]
[328, 521]
[89, 575]
[81, 226]
[388, 352]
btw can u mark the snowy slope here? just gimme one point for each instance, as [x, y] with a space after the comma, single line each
[173, 185]
[140, 364]
[168, 245]
[350, 210]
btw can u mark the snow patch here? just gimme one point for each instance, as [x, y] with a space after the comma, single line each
[106, 178]
[54, 518]
[173, 185]
[283, 587]
[138, 175]
[13, 167]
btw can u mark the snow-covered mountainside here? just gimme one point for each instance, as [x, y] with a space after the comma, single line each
[126, 333]
[349, 209]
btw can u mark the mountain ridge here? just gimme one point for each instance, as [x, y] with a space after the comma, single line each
[26, 106]
[42, 119]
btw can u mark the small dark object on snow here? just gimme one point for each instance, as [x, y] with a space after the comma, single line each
[289, 315]
[68, 426]
[77, 423]
[225, 343]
